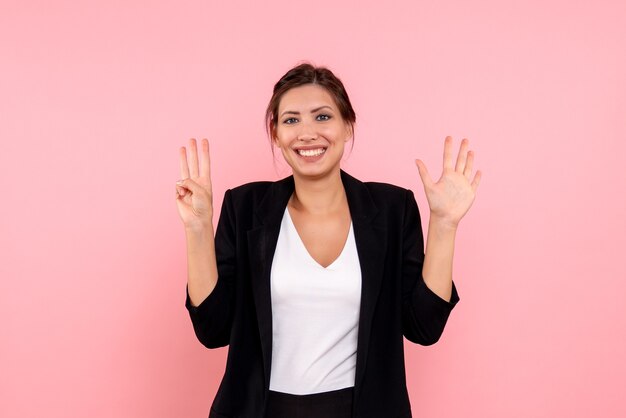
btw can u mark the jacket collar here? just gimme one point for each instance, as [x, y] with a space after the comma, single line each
[272, 207]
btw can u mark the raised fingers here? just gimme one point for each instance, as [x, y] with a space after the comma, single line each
[184, 167]
[462, 157]
[467, 172]
[476, 180]
[205, 160]
[447, 153]
[193, 158]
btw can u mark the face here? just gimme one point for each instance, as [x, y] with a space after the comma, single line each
[310, 131]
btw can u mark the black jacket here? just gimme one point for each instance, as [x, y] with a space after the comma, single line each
[395, 301]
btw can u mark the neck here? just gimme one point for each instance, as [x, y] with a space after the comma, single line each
[318, 196]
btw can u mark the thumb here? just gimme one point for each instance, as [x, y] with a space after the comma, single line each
[188, 184]
[421, 167]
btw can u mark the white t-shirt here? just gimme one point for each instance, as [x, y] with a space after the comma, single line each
[315, 316]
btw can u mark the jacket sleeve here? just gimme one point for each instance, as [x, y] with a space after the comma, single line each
[212, 318]
[424, 313]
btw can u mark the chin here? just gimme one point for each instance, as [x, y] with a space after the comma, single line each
[314, 172]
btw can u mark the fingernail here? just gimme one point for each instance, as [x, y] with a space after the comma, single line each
[179, 182]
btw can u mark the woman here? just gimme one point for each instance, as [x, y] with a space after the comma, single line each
[315, 280]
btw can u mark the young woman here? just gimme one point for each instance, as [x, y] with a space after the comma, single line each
[315, 280]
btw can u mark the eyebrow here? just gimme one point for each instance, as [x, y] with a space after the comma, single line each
[293, 112]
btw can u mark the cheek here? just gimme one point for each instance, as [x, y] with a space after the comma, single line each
[338, 133]
[284, 137]
[285, 150]
[327, 131]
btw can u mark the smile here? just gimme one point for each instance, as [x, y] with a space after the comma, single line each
[311, 152]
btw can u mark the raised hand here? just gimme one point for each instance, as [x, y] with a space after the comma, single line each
[453, 194]
[194, 195]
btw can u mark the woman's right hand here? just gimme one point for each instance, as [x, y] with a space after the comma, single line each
[194, 196]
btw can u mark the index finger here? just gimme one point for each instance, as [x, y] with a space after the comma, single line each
[184, 167]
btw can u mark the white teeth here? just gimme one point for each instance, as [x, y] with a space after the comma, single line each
[311, 152]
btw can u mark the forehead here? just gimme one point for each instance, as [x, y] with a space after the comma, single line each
[306, 96]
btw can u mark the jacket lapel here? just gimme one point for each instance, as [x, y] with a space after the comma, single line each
[371, 242]
[262, 240]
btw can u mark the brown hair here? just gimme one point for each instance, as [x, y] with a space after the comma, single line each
[302, 74]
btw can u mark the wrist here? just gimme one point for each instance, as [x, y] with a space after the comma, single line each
[442, 222]
[200, 228]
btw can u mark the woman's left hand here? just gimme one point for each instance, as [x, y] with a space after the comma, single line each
[453, 194]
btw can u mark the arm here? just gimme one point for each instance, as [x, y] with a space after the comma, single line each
[424, 313]
[201, 264]
[211, 264]
[449, 200]
[437, 270]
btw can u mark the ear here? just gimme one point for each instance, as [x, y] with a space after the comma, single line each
[349, 131]
[273, 136]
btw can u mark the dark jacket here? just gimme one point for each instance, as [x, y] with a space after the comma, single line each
[395, 301]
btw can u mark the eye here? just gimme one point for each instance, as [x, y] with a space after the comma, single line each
[323, 116]
[289, 121]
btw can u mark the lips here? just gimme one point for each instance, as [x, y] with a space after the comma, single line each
[311, 152]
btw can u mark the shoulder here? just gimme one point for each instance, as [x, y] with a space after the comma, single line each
[375, 188]
[248, 192]
[388, 201]
[391, 200]
[396, 206]
[387, 194]
[385, 189]
[263, 192]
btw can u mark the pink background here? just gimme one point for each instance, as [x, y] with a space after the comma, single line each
[96, 99]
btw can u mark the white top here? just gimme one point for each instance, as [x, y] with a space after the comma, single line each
[315, 316]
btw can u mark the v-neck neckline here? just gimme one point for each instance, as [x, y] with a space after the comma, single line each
[310, 257]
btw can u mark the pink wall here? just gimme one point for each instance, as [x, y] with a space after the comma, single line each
[96, 99]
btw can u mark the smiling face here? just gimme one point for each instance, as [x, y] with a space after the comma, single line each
[310, 131]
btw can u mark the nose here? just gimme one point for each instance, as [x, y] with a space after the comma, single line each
[307, 132]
